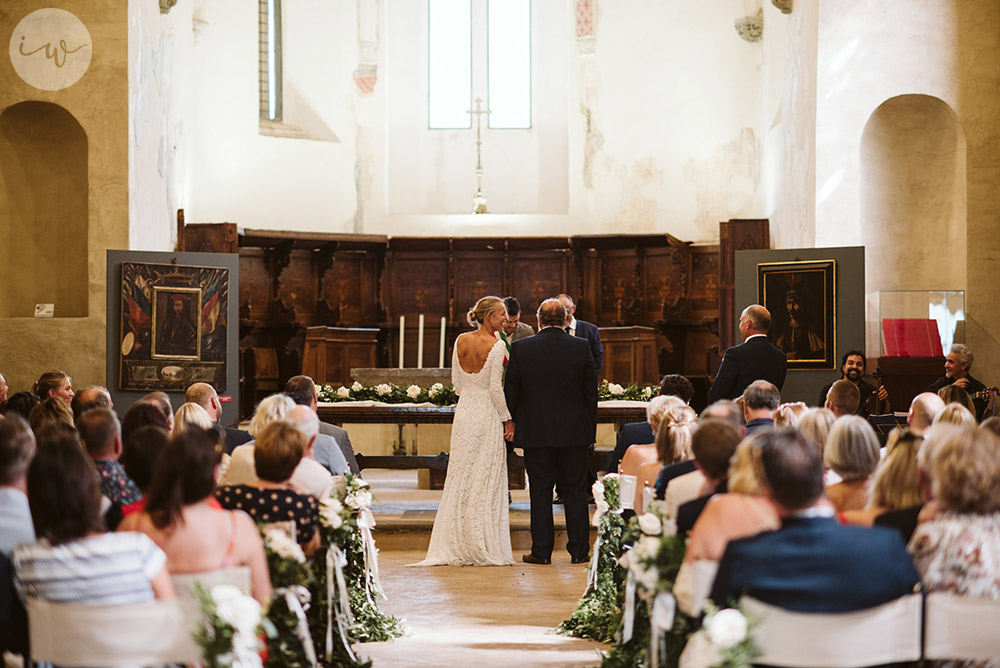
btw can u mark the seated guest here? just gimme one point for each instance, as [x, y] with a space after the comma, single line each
[953, 394]
[896, 482]
[956, 414]
[843, 398]
[54, 384]
[205, 396]
[815, 426]
[811, 563]
[789, 414]
[277, 451]
[91, 397]
[641, 453]
[905, 520]
[143, 414]
[852, 368]
[332, 447]
[3, 392]
[53, 409]
[956, 372]
[724, 409]
[852, 452]
[180, 516]
[713, 444]
[760, 400]
[20, 403]
[191, 415]
[162, 401]
[302, 390]
[99, 432]
[957, 551]
[672, 385]
[673, 445]
[17, 447]
[139, 454]
[73, 559]
[924, 407]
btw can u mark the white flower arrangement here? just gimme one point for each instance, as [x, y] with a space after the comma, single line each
[343, 392]
[330, 510]
[225, 606]
[616, 389]
[726, 628]
[724, 640]
[357, 387]
[359, 499]
[383, 389]
[282, 545]
[650, 524]
[647, 392]
[413, 391]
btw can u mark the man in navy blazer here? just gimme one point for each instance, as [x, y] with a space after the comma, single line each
[812, 563]
[754, 359]
[551, 391]
[584, 330]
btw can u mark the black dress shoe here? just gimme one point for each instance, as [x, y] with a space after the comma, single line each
[580, 560]
[529, 558]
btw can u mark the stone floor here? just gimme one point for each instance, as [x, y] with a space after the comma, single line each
[466, 616]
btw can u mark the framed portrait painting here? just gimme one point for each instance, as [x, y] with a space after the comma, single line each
[801, 297]
[173, 326]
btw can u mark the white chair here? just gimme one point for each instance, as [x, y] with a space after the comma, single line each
[693, 585]
[626, 491]
[960, 627]
[77, 634]
[239, 576]
[888, 633]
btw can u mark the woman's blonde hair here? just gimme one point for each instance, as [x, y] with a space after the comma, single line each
[658, 407]
[955, 414]
[673, 434]
[815, 425]
[191, 415]
[953, 394]
[789, 414]
[485, 307]
[743, 474]
[268, 410]
[852, 448]
[965, 471]
[896, 483]
[50, 381]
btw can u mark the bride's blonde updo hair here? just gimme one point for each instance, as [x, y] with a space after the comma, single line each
[484, 308]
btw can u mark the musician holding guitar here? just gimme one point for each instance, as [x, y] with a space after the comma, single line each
[956, 372]
[852, 368]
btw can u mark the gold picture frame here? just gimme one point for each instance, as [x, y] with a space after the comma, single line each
[802, 299]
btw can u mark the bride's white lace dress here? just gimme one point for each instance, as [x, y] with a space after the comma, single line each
[472, 525]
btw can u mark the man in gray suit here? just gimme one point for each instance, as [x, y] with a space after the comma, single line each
[302, 390]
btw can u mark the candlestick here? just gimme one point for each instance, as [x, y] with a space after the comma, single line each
[420, 341]
[402, 326]
[444, 324]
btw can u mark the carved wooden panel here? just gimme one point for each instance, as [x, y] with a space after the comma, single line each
[735, 235]
[704, 292]
[418, 284]
[296, 288]
[666, 281]
[348, 289]
[534, 277]
[620, 299]
[629, 355]
[209, 238]
[477, 274]
[255, 285]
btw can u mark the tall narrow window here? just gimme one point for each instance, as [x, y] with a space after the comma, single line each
[479, 49]
[509, 57]
[450, 64]
[269, 43]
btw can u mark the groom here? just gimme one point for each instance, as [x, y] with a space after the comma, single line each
[551, 390]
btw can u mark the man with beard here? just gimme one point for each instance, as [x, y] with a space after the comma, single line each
[796, 337]
[852, 368]
[178, 335]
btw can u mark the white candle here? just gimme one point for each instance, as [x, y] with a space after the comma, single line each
[420, 341]
[402, 326]
[444, 324]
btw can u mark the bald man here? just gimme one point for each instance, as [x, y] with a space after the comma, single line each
[923, 408]
[205, 396]
[754, 359]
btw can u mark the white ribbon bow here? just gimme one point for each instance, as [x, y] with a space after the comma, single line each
[661, 619]
[337, 586]
[629, 617]
[297, 598]
[366, 522]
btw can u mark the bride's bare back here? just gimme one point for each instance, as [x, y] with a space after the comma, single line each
[473, 349]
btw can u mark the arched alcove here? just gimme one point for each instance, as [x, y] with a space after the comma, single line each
[913, 196]
[43, 210]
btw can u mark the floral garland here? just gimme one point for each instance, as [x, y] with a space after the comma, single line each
[726, 640]
[292, 644]
[652, 632]
[599, 610]
[348, 558]
[233, 624]
[445, 395]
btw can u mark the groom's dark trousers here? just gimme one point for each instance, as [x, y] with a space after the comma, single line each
[551, 390]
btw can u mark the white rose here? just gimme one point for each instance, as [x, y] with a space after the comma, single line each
[432, 393]
[610, 476]
[650, 524]
[360, 483]
[283, 546]
[358, 500]
[437, 387]
[647, 578]
[413, 391]
[726, 628]
[329, 512]
[343, 392]
[616, 389]
[383, 389]
[240, 611]
[357, 387]
[602, 507]
[597, 489]
[648, 392]
[646, 547]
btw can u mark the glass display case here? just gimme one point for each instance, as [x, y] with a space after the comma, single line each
[919, 323]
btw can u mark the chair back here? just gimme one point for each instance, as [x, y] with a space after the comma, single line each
[626, 491]
[960, 627]
[889, 633]
[238, 576]
[145, 634]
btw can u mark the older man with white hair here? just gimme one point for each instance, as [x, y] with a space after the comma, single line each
[956, 372]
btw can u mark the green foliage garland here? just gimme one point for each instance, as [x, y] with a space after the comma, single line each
[437, 394]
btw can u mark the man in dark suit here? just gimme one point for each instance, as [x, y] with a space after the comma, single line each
[584, 330]
[551, 391]
[205, 396]
[754, 359]
[812, 563]
[760, 400]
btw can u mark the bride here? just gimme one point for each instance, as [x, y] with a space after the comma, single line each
[471, 527]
